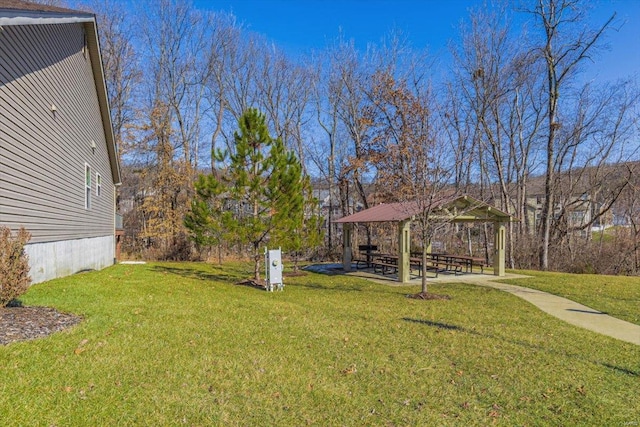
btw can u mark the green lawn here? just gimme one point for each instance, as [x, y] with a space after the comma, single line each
[618, 296]
[179, 344]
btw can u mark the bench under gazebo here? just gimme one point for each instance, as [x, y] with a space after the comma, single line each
[460, 209]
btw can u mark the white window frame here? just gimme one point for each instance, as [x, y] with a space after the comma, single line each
[98, 184]
[87, 186]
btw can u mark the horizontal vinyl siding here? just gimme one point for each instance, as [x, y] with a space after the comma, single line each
[42, 154]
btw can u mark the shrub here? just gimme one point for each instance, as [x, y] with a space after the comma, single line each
[14, 265]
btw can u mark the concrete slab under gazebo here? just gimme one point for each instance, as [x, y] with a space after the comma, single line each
[459, 209]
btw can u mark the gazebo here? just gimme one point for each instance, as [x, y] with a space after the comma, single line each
[459, 209]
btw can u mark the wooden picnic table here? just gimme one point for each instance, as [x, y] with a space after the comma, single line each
[470, 261]
[370, 252]
[388, 262]
[384, 263]
[467, 261]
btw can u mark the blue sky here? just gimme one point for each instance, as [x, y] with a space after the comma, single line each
[304, 25]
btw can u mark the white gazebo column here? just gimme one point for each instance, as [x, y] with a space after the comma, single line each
[347, 253]
[498, 248]
[404, 251]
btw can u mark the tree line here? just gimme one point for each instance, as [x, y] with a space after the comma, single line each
[510, 120]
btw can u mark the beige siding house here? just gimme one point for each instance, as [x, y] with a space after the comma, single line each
[58, 160]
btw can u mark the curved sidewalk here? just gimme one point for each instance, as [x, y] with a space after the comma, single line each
[564, 309]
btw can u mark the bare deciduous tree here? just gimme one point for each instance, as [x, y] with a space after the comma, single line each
[496, 85]
[413, 163]
[563, 52]
[121, 69]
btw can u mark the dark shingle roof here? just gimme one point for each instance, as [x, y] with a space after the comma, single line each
[36, 7]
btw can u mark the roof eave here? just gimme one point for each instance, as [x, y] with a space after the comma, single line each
[93, 44]
[10, 16]
[473, 214]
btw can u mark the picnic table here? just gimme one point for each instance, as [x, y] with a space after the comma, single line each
[468, 262]
[389, 263]
[436, 262]
[370, 253]
[384, 263]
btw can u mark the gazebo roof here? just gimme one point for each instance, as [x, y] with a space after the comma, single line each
[384, 212]
[458, 209]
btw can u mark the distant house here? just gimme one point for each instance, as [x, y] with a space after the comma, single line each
[590, 203]
[58, 159]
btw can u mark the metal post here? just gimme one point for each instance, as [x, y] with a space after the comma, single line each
[404, 251]
[347, 253]
[498, 249]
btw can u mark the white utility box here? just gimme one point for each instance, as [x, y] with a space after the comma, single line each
[273, 269]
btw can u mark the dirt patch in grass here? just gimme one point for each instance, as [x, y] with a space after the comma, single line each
[298, 273]
[428, 296]
[261, 284]
[28, 323]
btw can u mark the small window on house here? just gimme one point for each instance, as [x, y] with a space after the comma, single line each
[98, 184]
[87, 186]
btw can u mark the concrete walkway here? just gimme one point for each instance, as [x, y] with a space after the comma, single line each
[562, 308]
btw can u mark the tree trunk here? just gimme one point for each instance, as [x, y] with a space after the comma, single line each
[256, 261]
[331, 190]
[424, 266]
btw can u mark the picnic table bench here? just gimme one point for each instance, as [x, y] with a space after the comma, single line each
[417, 265]
[384, 267]
[369, 251]
[389, 263]
[384, 263]
[435, 266]
[464, 261]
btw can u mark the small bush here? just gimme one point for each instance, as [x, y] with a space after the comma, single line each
[14, 265]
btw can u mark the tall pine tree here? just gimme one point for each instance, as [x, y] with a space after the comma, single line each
[262, 188]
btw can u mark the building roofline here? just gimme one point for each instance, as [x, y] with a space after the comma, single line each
[103, 98]
[18, 12]
[7, 19]
[23, 6]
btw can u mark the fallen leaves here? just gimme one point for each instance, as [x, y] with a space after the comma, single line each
[80, 349]
[494, 412]
[350, 370]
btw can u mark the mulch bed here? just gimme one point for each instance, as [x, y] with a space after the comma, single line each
[28, 323]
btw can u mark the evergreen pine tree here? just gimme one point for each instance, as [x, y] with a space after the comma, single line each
[206, 219]
[265, 192]
[302, 227]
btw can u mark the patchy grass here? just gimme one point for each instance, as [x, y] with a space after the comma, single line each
[608, 234]
[618, 296]
[173, 344]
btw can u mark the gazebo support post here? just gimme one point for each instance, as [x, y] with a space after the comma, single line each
[347, 254]
[498, 248]
[404, 251]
